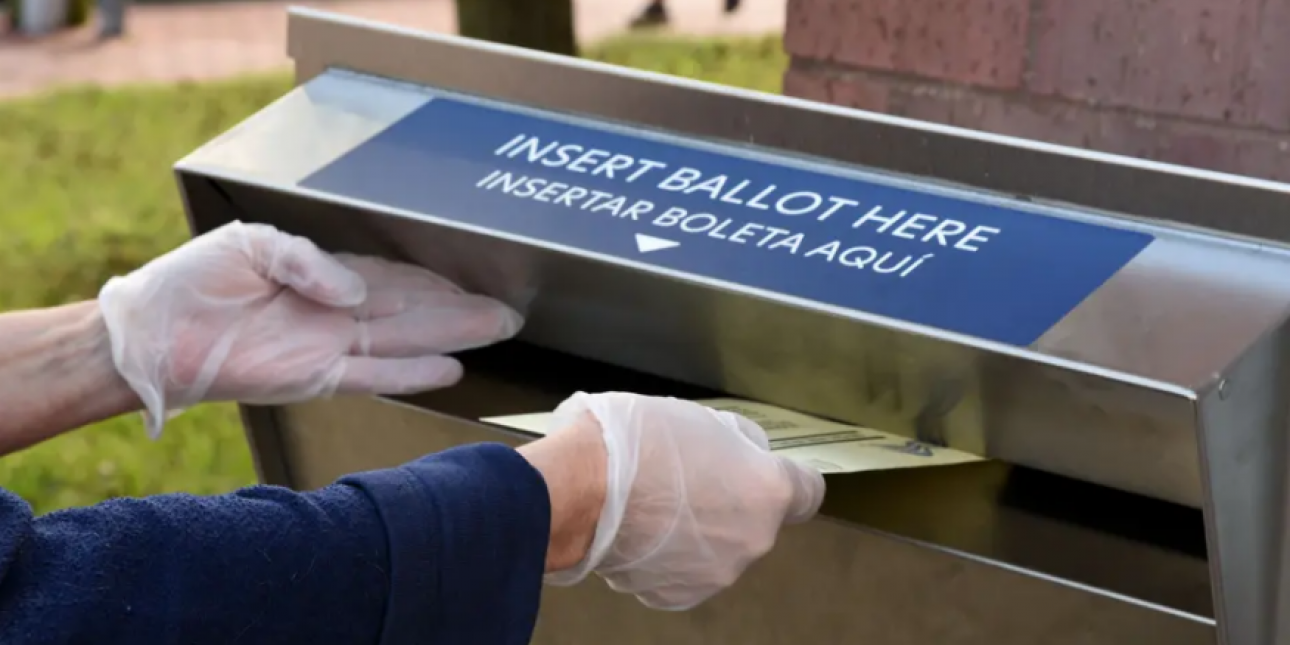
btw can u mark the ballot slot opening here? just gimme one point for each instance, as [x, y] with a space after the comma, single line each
[1120, 542]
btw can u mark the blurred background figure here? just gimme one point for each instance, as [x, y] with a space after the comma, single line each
[111, 19]
[655, 13]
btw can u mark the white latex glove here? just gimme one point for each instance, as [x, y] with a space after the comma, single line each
[693, 496]
[249, 313]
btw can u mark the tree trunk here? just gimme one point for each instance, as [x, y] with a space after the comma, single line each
[545, 25]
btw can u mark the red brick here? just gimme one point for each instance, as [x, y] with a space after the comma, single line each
[1222, 147]
[980, 42]
[804, 84]
[858, 92]
[1269, 91]
[1051, 121]
[1180, 57]
[1200, 148]
[1263, 156]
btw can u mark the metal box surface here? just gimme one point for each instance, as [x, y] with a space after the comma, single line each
[1123, 365]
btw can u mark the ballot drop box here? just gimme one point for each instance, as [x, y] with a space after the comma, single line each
[1107, 336]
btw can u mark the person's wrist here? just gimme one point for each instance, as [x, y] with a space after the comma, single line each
[65, 355]
[111, 389]
[572, 462]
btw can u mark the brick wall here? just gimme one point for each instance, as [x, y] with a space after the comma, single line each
[1198, 82]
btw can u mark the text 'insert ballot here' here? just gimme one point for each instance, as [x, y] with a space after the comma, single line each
[836, 237]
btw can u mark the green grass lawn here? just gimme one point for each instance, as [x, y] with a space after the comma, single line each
[88, 193]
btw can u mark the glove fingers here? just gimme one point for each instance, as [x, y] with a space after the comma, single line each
[456, 323]
[746, 427]
[808, 490]
[364, 375]
[297, 263]
[383, 303]
[380, 273]
[679, 597]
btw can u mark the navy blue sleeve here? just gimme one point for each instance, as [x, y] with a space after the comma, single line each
[448, 549]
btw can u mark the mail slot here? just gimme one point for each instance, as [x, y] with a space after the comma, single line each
[1110, 334]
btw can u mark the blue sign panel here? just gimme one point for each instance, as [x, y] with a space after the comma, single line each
[964, 266]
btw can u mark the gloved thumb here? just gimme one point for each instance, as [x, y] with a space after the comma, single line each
[297, 263]
[807, 485]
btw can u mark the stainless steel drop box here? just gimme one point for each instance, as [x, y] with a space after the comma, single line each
[1110, 332]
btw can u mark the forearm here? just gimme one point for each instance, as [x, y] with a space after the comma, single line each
[447, 549]
[262, 565]
[56, 374]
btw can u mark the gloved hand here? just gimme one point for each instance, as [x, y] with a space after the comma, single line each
[249, 313]
[692, 497]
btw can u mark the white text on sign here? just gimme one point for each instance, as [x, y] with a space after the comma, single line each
[935, 232]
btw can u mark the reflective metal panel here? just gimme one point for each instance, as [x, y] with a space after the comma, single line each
[1103, 396]
[840, 579]
[1163, 385]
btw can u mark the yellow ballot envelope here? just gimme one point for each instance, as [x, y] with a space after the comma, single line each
[828, 446]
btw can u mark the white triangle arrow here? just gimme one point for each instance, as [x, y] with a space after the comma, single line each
[647, 243]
